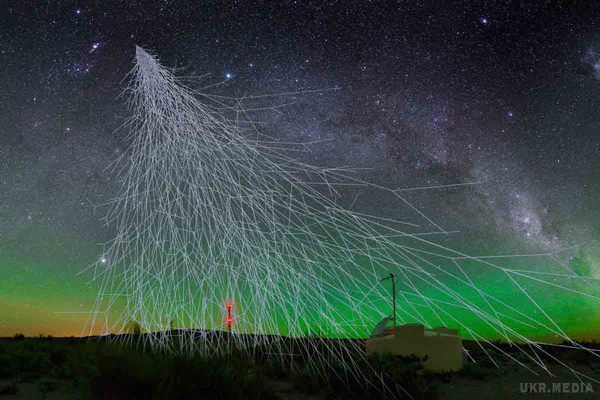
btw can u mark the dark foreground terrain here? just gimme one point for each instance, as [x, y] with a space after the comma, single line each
[92, 368]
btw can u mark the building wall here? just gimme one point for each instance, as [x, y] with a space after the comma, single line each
[443, 351]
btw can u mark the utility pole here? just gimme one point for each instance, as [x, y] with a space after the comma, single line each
[393, 279]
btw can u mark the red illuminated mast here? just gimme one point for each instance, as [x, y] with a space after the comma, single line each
[229, 320]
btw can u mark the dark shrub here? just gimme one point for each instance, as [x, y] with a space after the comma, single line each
[474, 371]
[125, 375]
[8, 388]
[380, 376]
[58, 356]
[47, 386]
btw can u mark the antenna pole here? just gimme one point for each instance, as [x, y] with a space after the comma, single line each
[393, 279]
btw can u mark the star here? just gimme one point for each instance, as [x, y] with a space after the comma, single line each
[228, 75]
[484, 20]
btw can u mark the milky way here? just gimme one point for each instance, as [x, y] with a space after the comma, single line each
[506, 98]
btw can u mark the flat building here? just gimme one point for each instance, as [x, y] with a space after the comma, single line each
[442, 346]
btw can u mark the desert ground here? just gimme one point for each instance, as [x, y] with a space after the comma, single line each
[105, 368]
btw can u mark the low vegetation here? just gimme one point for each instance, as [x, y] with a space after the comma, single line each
[94, 368]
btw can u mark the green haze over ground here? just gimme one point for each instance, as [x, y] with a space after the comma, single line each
[42, 299]
[46, 297]
[39, 290]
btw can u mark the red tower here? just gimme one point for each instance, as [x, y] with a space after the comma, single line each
[229, 320]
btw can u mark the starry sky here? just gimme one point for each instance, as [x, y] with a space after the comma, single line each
[502, 94]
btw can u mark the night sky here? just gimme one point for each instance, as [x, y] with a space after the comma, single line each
[501, 94]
